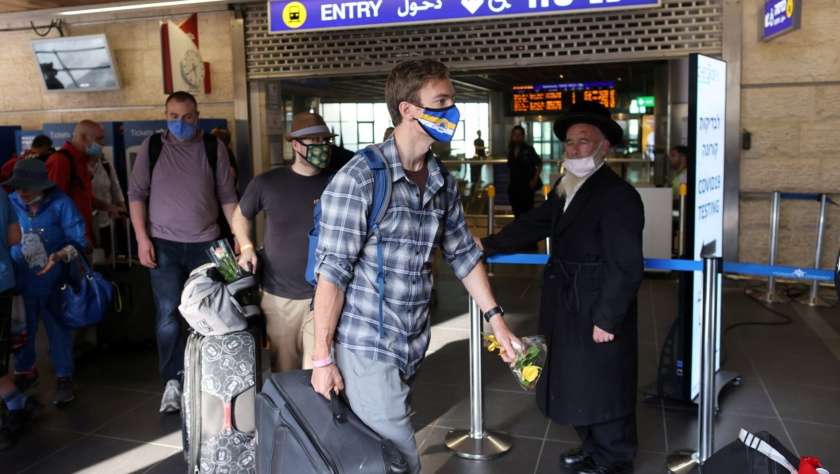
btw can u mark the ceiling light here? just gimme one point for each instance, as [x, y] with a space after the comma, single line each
[174, 3]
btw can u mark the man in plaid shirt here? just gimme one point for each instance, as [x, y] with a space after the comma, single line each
[424, 213]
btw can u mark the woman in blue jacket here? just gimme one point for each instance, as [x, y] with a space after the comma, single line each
[50, 222]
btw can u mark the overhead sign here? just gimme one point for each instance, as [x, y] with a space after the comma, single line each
[780, 17]
[552, 98]
[289, 16]
[645, 101]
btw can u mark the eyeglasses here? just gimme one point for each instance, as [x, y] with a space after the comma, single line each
[309, 141]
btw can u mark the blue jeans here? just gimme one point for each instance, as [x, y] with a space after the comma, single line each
[175, 261]
[60, 339]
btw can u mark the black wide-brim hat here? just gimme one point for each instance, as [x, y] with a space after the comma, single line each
[592, 113]
[29, 173]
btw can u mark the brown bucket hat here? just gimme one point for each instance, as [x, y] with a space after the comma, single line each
[309, 125]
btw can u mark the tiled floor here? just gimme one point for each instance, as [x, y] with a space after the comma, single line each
[790, 387]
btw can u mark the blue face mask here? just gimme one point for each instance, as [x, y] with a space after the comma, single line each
[440, 123]
[181, 129]
[94, 149]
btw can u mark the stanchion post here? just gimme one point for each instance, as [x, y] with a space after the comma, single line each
[491, 218]
[774, 240]
[711, 272]
[546, 190]
[477, 443]
[684, 461]
[770, 295]
[813, 298]
[681, 237]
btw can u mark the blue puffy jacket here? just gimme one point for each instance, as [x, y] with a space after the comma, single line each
[56, 223]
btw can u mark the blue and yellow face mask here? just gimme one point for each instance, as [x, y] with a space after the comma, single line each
[440, 124]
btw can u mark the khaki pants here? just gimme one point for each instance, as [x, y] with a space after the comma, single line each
[290, 330]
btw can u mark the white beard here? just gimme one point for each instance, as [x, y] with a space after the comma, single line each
[568, 184]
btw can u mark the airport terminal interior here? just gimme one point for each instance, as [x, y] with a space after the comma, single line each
[783, 357]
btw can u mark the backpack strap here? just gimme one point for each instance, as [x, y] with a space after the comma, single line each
[381, 197]
[74, 178]
[155, 147]
[211, 149]
[105, 165]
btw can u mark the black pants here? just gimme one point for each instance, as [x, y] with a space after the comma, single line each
[521, 199]
[610, 442]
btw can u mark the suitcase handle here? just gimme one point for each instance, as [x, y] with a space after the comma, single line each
[337, 409]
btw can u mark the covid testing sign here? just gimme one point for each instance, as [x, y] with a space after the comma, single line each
[706, 118]
[288, 16]
[780, 17]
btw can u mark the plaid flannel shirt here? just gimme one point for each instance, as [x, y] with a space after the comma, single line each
[411, 232]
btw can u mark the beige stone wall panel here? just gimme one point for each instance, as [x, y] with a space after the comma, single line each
[137, 50]
[827, 105]
[777, 104]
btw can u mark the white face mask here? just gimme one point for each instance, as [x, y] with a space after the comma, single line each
[34, 200]
[582, 167]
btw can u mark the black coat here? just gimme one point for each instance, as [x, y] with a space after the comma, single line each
[593, 277]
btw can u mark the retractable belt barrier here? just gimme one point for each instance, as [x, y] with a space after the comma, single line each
[478, 443]
[690, 266]
[805, 197]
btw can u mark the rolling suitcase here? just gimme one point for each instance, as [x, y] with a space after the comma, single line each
[132, 322]
[221, 379]
[301, 432]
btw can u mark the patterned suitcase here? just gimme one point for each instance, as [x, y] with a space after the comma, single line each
[221, 380]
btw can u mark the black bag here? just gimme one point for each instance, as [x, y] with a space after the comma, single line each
[133, 322]
[301, 432]
[221, 379]
[749, 455]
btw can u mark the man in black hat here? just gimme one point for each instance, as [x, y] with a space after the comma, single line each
[589, 302]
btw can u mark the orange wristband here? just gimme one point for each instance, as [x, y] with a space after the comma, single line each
[245, 247]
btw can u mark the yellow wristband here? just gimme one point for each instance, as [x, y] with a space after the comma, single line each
[245, 247]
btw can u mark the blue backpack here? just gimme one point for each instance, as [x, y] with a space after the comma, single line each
[381, 197]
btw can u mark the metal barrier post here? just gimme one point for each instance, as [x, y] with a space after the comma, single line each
[813, 299]
[477, 443]
[685, 461]
[770, 295]
[546, 190]
[711, 272]
[491, 218]
[681, 237]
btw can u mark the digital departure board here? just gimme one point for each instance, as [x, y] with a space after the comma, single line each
[556, 98]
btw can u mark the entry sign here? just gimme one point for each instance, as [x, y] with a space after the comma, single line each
[288, 16]
[780, 17]
[707, 113]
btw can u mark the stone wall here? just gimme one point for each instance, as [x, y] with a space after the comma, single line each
[136, 46]
[790, 102]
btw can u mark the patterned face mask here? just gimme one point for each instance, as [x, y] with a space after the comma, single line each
[318, 155]
[440, 124]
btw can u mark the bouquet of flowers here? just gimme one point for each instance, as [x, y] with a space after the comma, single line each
[530, 358]
[222, 256]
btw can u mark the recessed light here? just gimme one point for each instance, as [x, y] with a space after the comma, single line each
[137, 7]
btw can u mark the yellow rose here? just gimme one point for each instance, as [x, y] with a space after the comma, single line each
[494, 344]
[530, 373]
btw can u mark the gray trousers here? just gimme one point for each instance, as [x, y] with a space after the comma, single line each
[378, 395]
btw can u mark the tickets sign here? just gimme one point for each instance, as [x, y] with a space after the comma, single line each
[297, 15]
